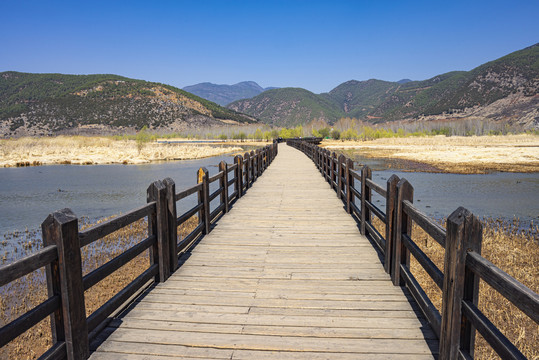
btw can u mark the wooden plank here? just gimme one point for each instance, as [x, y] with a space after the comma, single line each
[286, 272]
[261, 342]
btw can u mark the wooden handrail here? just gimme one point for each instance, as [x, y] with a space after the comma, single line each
[464, 264]
[61, 254]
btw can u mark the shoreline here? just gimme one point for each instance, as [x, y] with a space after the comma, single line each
[101, 151]
[456, 155]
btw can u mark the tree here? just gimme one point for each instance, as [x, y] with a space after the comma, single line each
[242, 136]
[324, 132]
[142, 138]
[258, 134]
[335, 134]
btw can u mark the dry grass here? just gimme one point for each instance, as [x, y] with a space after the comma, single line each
[512, 249]
[455, 154]
[82, 150]
[25, 293]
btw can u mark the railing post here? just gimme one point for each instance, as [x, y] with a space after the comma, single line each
[464, 233]
[391, 199]
[158, 226]
[64, 278]
[366, 195]
[403, 225]
[247, 161]
[172, 225]
[331, 168]
[252, 161]
[349, 183]
[224, 184]
[203, 177]
[238, 160]
[340, 186]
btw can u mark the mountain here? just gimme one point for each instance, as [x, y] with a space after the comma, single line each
[38, 104]
[288, 107]
[505, 89]
[403, 81]
[225, 94]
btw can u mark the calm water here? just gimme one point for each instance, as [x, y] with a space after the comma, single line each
[28, 195]
[497, 195]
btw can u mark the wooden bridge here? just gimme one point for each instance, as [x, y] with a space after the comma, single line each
[280, 269]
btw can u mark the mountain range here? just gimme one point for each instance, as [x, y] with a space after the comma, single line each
[504, 89]
[225, 94]
[41, 104]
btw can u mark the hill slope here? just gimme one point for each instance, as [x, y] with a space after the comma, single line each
[512, 79]
[288, 107]
[37, 104]
[225, 94]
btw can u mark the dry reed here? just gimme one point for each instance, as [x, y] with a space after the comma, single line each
[512, 249]
[25, 293]
[455, 154]
[82, 150]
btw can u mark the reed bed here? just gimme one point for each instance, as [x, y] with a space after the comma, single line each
[513, 249]
[455, 154]
[25, 293]
[81, 150]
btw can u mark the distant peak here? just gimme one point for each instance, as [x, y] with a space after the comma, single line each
[404, 81]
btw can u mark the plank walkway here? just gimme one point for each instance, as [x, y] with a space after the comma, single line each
[284, 275]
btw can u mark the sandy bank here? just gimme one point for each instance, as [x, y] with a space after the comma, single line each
[457, 154]
[98, 150]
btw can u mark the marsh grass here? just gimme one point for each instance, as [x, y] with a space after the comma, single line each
[81, 150]
[514, 250]
[25, 293]
[455, 154]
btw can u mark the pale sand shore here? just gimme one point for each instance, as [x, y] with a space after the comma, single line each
[456, 154]
[97, 150]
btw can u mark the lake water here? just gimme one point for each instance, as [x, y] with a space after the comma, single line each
[28, 195]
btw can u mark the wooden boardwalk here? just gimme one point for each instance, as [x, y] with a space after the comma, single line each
[285, 274]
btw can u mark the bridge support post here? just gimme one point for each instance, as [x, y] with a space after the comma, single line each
[464, 233]
[223, 182]
[403, 225]
[391, 199]
[366, 195]
[204, 179]
[238, 160]
[171, 221]
[158, 226]
[64, 278]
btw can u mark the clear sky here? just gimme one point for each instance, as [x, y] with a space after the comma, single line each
[311, 44]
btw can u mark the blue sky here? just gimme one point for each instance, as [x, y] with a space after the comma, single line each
[311, 44]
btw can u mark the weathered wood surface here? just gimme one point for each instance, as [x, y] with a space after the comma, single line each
[284, 275]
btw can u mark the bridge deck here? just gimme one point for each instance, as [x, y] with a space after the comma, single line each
[284, 275]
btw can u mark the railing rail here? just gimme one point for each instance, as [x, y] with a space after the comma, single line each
[463, 264]
[71, 329]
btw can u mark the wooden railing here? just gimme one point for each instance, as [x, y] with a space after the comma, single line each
[463, 264]
[62, 243]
